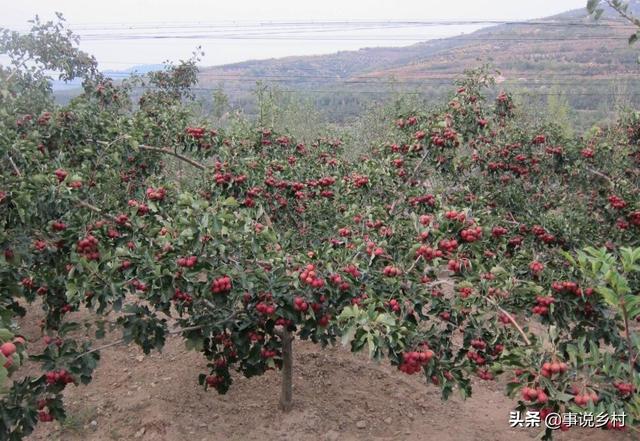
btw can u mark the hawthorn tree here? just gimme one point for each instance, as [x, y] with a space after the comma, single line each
[434, 250]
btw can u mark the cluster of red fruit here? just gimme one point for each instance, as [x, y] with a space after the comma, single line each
[457, 265]
[337, 280]
[61, 175]
[427, 199]
[310, 277]
[428, 253]
[58, 226]
[542, 234]
[471, 234]
[411, 121]
[412, 362]
[534, 395]
[221, 285]
[587, 153]
[360, 180]
[391, 271]
[617, 202]
[536, 267]
[585, 398]
[625, 389]
[88, 247]
[352, 270]
[570, 287]
[268, 353]
[539, 139]
[187, 262]
[181, 296]
[61, 376]
[543, 303]
[447, 245]
[140, 286]
[499, 231]
[265, 309]
[43, 415]
[551, 368]
[394, 305]
[476, 358]
[459, 216]
[214, 380]
[300, 305]
[196, 132]
[156, 194]
[373, 249]
[142, 208]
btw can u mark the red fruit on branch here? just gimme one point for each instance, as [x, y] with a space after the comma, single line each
[221, 285]
[61, 174]
[156, 194]
[8, 349]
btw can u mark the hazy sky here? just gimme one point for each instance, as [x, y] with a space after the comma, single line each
[107, 26]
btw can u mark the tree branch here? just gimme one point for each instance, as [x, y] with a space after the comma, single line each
[172, 332]
[512, 320]
[163, 150]
[167, 151]
[15, 167]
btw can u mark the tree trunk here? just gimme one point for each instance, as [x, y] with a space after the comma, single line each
[287, 361]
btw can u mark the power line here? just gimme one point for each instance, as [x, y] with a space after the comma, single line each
[121, 37]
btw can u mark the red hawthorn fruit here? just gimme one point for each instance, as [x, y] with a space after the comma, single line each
[187, 262]
[300, 305]
[615, 425]
[539, 139]
[471, 234]
[485, 375]
[214, 380]
[61, 174]
[45, 417]
[221, 285]
[156, 194]
[391, 271]
[352, 270]
[324, 320]
[58, 226]
[536, 267]
[8, 349]
[584, 399]
[587, 153]
[617, 202]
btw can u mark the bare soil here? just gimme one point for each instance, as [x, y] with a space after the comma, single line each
[337, 396]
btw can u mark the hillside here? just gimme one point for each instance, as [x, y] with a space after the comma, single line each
[591, 63]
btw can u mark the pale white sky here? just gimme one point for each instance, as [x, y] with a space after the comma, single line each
[107, 27]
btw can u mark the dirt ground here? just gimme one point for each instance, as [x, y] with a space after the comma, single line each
[338, 396]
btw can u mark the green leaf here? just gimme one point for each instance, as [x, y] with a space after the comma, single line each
[347, 336]
[608, 295]
[230, 202]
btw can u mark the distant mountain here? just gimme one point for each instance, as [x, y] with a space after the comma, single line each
[566, 52]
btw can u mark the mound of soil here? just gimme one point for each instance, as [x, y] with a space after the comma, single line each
[337, 396]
